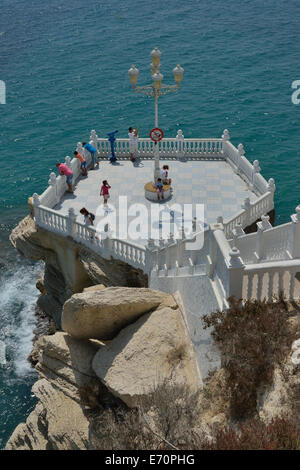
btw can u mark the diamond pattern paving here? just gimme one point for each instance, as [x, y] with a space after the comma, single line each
[212, 183]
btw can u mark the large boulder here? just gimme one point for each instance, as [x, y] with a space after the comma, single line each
[65, 362]
[56, 423]
[102, 314]
[155, 349]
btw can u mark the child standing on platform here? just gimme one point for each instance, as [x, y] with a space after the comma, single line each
[160, 189]
[83, 164]
[105, 191]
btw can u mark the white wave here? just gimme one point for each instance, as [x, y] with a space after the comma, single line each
[2, 353]
[18, 296]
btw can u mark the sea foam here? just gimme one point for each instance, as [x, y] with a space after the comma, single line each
[18, 296]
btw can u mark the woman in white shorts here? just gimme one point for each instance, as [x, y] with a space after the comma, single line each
[133, 142]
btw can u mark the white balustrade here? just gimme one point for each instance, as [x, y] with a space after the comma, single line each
[168, 147]
[263, 281]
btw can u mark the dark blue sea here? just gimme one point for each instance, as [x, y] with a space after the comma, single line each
[65, 67]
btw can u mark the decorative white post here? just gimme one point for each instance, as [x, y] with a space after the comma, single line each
[225, 140]
[180, 143]
[80, 148]
[35, 205]
[150, 247]
[68, 161]
[271, 185]
[70, 222]
[217, 227]
[52, 182]
[296, 233]
[241, 150]
[247, 207]
[94, 139]
[236, 270]
[237, 232]
[225, 135]
[52, 179]
[36, 199]
[261, 227]
[255, 170]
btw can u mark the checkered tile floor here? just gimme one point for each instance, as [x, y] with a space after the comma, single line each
[212, 183]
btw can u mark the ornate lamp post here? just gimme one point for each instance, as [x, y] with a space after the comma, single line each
[156, 89]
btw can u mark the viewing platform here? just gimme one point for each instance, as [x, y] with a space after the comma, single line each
[208, 263]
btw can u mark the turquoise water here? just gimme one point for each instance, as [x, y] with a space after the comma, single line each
[65, 67]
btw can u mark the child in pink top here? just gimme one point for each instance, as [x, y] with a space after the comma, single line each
[104, 191]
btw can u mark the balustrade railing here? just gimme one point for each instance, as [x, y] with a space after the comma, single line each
[263, 281]
[250, 213]
[168, 147]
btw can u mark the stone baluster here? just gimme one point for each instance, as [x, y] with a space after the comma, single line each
[250, 286]
[291, 286]
[259, 287]
[270, 290]
[280, 282]
[159, 253]
[295, 238]
[194, 224]
[70, 222]
[236, 273]
[180, 143]
[261, 227]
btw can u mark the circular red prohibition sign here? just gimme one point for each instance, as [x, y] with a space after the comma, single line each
[156, 134]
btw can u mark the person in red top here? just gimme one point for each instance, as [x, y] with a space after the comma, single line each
[82, 160]
[104, 191]
[65, 170]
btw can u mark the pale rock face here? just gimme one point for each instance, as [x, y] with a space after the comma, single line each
[157, 347]
[102, 314]
[57, 423]
[66, 362]
[94, 288]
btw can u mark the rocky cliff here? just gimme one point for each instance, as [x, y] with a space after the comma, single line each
[149, 344]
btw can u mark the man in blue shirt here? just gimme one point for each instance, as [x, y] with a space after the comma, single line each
[93, 153]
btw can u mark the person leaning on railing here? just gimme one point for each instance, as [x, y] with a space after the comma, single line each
[93, 153]
[65, 170]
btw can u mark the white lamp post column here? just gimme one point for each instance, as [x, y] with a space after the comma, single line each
[156, 89]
